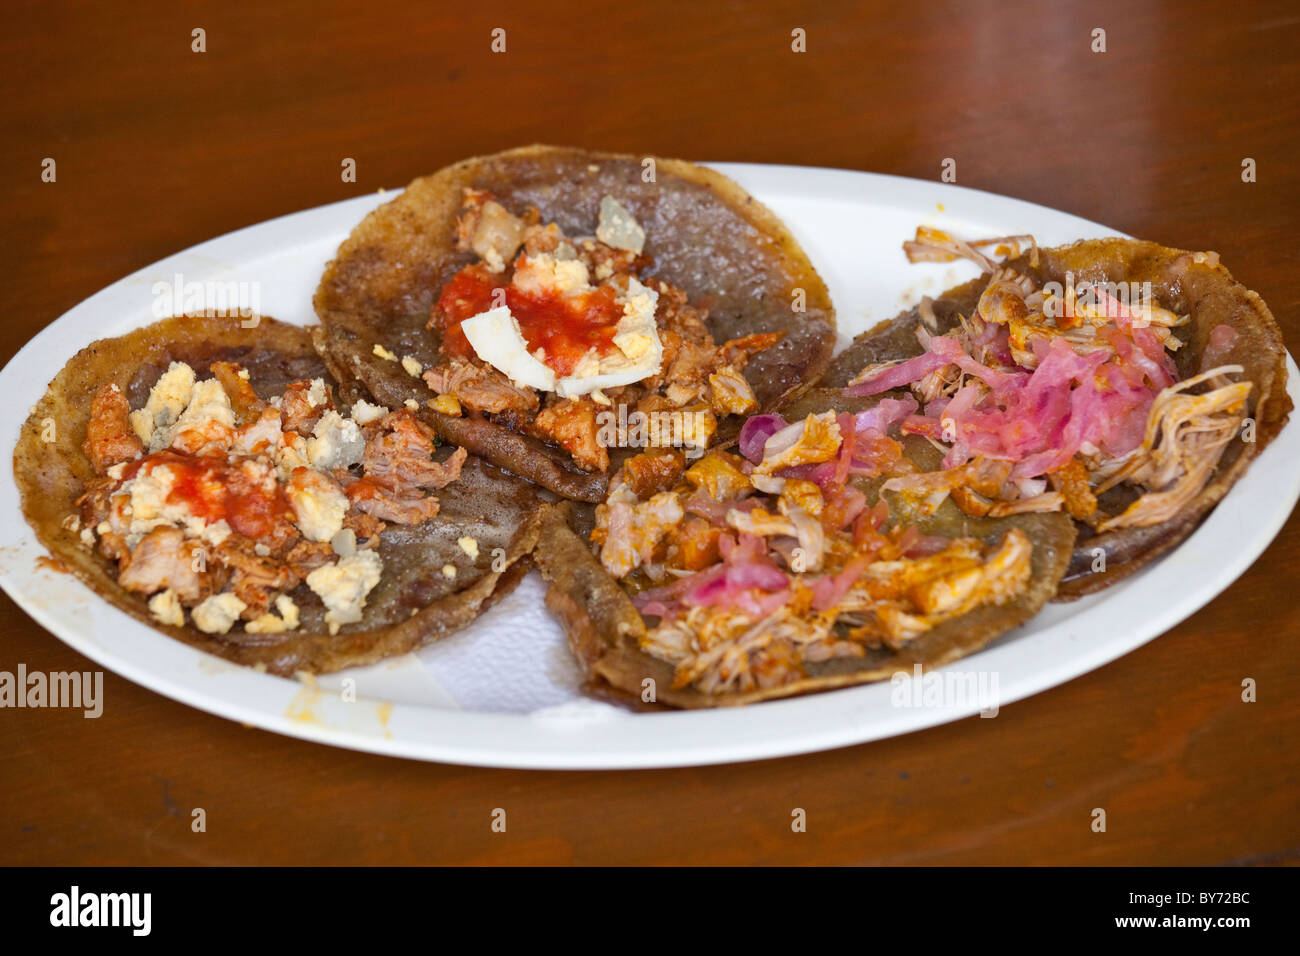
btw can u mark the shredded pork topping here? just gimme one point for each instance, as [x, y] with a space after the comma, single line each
[216, 502]
[935, 245]
[1066, 391]
[1185, 438]
[524, 262]
[753, 567]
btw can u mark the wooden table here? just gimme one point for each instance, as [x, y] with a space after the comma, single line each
[158, 147]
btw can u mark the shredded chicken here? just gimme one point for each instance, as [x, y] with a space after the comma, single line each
[688, 373]
[1185, 437]
[720, 475]
[538, 263]
[815, 439]
[935, 245]
[943, 381]
[306, 556]
[721, 652]
[256, 580]
[730, 393]
[980, 488]
[650, 472]
[1043, 502]
[363, 525]
[399, 456]
[480, 388]
[301, 407]
[260, 435]
[234, 379]
[908, 597]
[227, 519]
[110, 439]
[772, 573]
[1125, 339]
[738, 352]
[760, 522]
[1077, 496]
[604, 262]
[629, 530]
[400, 508]
[718, 650]
[693, 545]
[571, 424]
[163, 559]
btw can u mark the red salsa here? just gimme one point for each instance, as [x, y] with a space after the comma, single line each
[213, 489]
[566, 327]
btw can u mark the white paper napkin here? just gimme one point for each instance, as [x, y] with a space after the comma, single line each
[513, 659]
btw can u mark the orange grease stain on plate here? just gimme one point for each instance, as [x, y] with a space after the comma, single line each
[302, 708]
[47, 563]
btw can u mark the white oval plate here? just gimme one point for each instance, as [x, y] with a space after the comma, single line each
[505, 692]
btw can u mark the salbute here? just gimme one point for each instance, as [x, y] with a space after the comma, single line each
[102, 909]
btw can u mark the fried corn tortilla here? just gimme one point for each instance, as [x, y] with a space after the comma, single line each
[1185, 283]
[414, 601]
[726, 251]
[608, 635]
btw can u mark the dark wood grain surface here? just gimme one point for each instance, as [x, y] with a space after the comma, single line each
[158, 147]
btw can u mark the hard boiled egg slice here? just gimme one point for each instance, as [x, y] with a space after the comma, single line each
[638, 351]
[496, 338]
